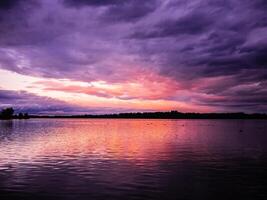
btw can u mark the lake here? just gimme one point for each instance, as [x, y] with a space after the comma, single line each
[133, 159]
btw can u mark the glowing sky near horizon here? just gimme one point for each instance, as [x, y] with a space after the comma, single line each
[93, 56]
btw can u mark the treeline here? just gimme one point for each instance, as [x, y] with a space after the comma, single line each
[168, 115]
[8, 113]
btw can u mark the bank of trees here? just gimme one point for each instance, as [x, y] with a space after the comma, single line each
[8, 113]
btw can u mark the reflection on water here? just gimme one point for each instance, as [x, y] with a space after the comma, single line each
[133, 159]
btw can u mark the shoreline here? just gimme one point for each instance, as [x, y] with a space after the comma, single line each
[149, 115]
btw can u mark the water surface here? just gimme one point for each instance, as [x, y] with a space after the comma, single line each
[133, 159]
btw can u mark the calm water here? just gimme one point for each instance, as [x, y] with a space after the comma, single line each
[133, 159]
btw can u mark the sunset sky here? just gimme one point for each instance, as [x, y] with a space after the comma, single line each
[109, 56]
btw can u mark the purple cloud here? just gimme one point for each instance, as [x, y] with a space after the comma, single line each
[23, 101]
[188, 42]
[26, 102]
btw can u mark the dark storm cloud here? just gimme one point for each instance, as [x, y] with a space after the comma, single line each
[193, 23]
[247, 97]
[81, 3]
[222, 39]
[15, 22]
[8, 4]
[118, 10]
[189, 42]
[228, 43]
[130, 11]
[261, 4]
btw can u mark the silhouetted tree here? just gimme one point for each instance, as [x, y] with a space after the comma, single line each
[20, 116]
[7, 113]
[26, 116]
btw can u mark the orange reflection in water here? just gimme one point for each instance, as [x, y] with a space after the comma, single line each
[135, 140]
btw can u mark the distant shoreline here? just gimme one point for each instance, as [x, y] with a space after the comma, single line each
[162, 115]
[150, 115]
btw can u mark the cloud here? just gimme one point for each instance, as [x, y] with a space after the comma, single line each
[224, 92]
[26, 102]
[23, 101]
[118, 10]
[144, 87]
[192, 23]
[80, 3]
[8, 4]
[122, 42]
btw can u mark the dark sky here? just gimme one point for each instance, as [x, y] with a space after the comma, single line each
[75, 56]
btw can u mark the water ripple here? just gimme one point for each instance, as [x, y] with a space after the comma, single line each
[133, 159]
